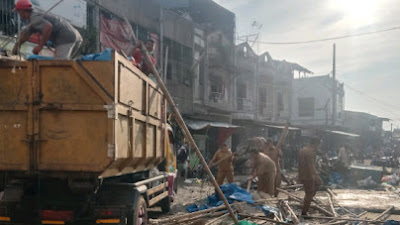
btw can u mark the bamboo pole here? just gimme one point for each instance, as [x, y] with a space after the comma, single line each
[331, 192]
[181, 123]
[316, 206]
[292, 186]
[283, 136]
[291, 212]
[331, 205]
[384, 213]
[262, 218]
[347, 219]
[217, 219]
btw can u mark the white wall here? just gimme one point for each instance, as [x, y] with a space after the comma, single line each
[320, 89]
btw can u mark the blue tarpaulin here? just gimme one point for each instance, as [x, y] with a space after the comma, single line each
[392, 222]
[39, 57]
[231, 191]
[104, 56]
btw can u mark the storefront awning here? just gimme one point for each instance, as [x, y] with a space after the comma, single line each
[282, 127]
[343, 133]
[201, 124]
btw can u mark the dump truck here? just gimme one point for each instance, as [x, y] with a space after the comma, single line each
[79, 141]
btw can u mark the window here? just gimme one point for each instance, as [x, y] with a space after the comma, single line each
[216, 84]
[279, 102]
[306, 107]
[241, 90]
[201, 74]
[245, 51]
[169, 71]
[265, 58]
[263, 100]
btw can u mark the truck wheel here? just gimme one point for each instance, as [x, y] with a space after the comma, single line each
[166, 204]
[140, 214]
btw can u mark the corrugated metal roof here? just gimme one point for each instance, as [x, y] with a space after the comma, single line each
[201, 124]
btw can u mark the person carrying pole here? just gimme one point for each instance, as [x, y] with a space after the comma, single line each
[224, 159]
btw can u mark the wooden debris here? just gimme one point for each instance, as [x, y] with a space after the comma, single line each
[331, 205]
[316, 206]
[292, 186]
[291, 212]
[346, 219]
[190, 219]
[362, 214]
[331, 192]
[348, 211]
[190, 215]
[218, 219]
[282, 209]
[387, 211]
[261, 218]
[248, 185]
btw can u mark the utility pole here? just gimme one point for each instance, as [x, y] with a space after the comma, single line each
[334, 88]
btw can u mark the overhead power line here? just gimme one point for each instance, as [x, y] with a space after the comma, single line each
[388, 108]
[325, 39]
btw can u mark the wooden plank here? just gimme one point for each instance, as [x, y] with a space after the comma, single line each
[294, 217]
[387, 211]
[346, 219]
[292, 186]
[223, 216]
[93, 83]
[157, 188]
[294, 197]
[262, 218]
[140, 183]
[158, 198]
[331, 205]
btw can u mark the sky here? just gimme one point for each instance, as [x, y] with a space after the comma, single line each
[368, 65]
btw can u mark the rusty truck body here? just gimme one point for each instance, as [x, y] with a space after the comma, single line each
[78, 140]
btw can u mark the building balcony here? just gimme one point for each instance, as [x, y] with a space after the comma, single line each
[244, 109]
[219, 101]
[265, 112]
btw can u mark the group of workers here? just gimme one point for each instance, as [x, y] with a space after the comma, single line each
[65, 39]
[265, 164]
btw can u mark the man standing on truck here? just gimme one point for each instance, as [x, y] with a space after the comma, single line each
[224, 159]
[65, 38]
[139, 58]
[308, 175]
[276, 155]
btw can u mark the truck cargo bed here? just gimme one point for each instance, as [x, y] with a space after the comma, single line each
[100, 117]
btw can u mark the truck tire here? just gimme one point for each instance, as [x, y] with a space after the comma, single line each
[165, 205]
[140, 213]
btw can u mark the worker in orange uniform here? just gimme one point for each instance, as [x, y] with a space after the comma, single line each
[276, 155]
[224, 159]
[264, 168]
[308, 175]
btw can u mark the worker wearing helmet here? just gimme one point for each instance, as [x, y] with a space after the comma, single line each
[63, 35]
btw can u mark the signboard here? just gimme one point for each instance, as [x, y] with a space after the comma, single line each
[72, 10]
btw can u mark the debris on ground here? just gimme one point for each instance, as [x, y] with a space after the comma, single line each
[253, 208]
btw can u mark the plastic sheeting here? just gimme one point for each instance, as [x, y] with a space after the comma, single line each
[201, 124]
[104, 56]
[231, 191]
[39, 57]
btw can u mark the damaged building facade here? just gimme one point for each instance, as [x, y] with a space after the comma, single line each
[262, 94]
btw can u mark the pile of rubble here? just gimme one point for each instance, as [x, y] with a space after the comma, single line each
[254, 208]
